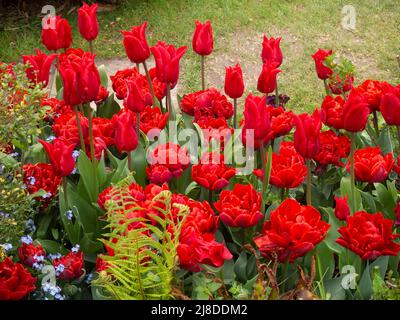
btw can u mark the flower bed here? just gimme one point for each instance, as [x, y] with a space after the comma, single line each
[126, 194]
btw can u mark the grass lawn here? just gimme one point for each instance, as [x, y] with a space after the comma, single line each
[238, 27]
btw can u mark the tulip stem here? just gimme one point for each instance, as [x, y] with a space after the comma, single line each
[326, 88]
[375, 122]
[91, 46]
[398, 134]
[52, 76]
[210, 196]
[169, 103]
[138, 126]
[203, 85]
[130, 161]
[235, 113]
[64, 186]
[153, 96]
[308, 188]
[78, 122]
[138, 67]
[276, 96]
[90, 118]
[352, 176]
[266, 159]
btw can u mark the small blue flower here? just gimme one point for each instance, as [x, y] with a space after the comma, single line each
[26, 239]
[89, 278]
[2, 167]
[47, 195]
[4, 215]
[31, 180]
[76, 248]
[30, 225]
[14, 154]
[69, 214]
[38, 258]
[75, 171]
[6, 246]
[50, 138]
[75, 154]
[60, 269]
[54, 256]
[37, 266]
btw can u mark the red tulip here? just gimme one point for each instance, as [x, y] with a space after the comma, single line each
[136, 99]
[212, 172]
[240, 207]
[281, 121]
[332, 112]
[126, 139]
[202, 41]
[337, 87]
[257, 118]
[342, 209]
[293, 231]
[307, 134]
[40, 65]
[271, 51]
[267, 79]
[373, 91]
[370, 165]
[87, 21]
[319, 57]
[167, 61]
[59, 37]
[355, 112]
[369, 235]
[332, 149]
[28, 253]
[288, 169]
[152, 118]
[60, 155]
[234, 85]
[73, 266]
[135, 43]
[390, 107]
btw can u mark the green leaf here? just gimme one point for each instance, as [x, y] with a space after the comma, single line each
[334, 289]
[240, 267]
[103, 75]
[108, 108]
[51, 246]
[333, 234]
[384, 141]
[365, 285]
[139, 164]
[345, 189]
[86, 171]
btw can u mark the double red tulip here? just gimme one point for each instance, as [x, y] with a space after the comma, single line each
[319, 57]
[281, 121]
[202, 41]
[80, 76]
[135, 43]
[136, 99]
[234, 85]
[56, 34]
[332, 112]
[369, 235]
[342, 209]
[87, 21]
[267, 79]
[355, 112]
[126, 139]
[390, 106]
[288, 169]
[371, 166]
[293, 231]
[256, 118]
[167, 59]
[307, 134]
[332, 149]
[28, 253]
[271, 51]
[60, 155]
[373, 91]
[73, 266]
[40, 65]
[240, 208]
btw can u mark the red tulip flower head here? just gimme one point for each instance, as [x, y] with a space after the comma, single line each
[369, 236]
[373, 91]
[60, 155]
[167, 59]
[307, 134]
[234, 85]
[202, 41]
[319, 57]
[390, 107]
[293, 231]
[56, 34]
[73, 266]
[271, 51]
[126, 139]
[355, 112]
[87, 21]
[342, 209]
[40, 65]
[240, 207]
[135, 43]
[267, 79]
[332, 112]
[136, 99]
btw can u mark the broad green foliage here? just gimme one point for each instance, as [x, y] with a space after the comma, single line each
[143, 266]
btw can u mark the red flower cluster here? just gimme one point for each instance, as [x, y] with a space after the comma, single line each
[27, 253]
[166, 162]
[56, 33]
[73, 265]
[293, 230]
[369, 236]
[337, 87]
[57, 107]
[373, 91]
[40, 65]
[332, 149]
[240, 207]
[212, 172]
[288, 169]
[370, 165]
[15, 281]
[207, 103]
[41, 176]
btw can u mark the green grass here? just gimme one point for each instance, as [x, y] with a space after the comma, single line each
[305, 26]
